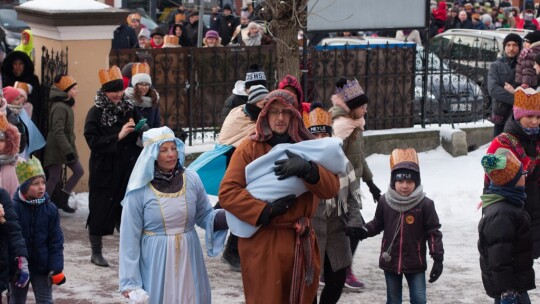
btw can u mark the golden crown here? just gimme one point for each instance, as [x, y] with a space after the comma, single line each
[25, 170]
[140, 67]
[403, 155]
[111, 74]
[317, 117]
[351, 90]
[65, 82]
[23, 86]
[171, 40]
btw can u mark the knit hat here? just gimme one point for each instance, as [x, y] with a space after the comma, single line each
[291, 81]
[318, 120]
[28, 170]
[532, 37]
[141, 73]
[257, 93]
[65, 82]
[10, 134]
[239, 88]
[227, 6]
[254, 76]
[404, 165]
[503, 168]
[351, 92]
[144, 32]
[212, 34]
[526, 103]
[111, 80]
[486, 18]
[515, 38]
[157, 31]
[10, 94]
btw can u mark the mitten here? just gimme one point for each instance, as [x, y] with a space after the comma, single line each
[295, 165]
[22, 274]
[70, 157]
[436, 271]
[510, 297]
[359, 233]
[375, 191]
[56, 278]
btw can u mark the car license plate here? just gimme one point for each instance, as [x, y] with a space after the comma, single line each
[462, 107]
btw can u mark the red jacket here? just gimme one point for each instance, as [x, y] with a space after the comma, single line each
[440, 12]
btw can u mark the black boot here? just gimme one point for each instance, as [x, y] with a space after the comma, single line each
[60, 199]
[230, 254]
[97, 258]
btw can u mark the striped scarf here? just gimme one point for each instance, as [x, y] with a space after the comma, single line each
[348, 184]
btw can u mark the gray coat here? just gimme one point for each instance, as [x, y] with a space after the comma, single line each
[501, 71]
[60, 138]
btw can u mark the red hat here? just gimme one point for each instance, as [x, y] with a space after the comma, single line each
[10, 93]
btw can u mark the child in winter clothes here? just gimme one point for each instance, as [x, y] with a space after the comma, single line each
[505, 239]
[408, 219]
[41, 230]
[525, 73]
[9, 150]
[15, 100]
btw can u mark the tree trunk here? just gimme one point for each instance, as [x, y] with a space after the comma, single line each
[287, 50]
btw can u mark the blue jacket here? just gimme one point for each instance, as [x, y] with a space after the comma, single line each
[44, 238]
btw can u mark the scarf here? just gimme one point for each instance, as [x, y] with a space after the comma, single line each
[111, 111]
[348, 184]
[34, 202]
[344, 126]
[277, 139]
[402, 203]
[253, 40]
[6, 159]
[146, 101]
[531, 131]
[515, 195]
[15, 109]
[168, 182]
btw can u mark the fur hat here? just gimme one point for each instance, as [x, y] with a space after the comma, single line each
[141, 73]
[318, 120]
[10, 94]
[10, 134]
[65, 82]
[255, 75]
[503, 168]
[526, 104]
[351, 93]
[257, 93]
[111, 79]
[404, 165]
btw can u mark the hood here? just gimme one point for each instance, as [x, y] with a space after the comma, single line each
[7, 65]
[337, 112]
[57, 95]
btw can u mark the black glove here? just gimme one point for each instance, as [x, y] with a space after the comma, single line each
[375, 191]
[436, 271]
[276, 208]
[295, 165]
[70, 157]
[359, 233]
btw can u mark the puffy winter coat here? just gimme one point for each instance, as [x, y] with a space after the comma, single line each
[505, 246]
[525, 73]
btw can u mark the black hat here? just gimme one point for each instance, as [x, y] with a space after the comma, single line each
[157, 31]
[532, 37]
[255, 75]
[515, 38]
[227, 7]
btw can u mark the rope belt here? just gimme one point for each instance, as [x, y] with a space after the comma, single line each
[304, 254]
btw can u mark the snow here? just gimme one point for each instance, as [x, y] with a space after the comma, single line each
[454, 184]
[64, 5]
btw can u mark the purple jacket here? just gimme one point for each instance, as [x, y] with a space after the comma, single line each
[525, 72]
[417, 225]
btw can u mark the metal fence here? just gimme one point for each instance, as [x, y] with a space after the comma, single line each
[52, 64]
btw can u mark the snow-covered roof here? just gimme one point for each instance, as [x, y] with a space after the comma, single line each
[65, 5]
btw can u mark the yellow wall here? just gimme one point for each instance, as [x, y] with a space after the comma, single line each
[85, 58]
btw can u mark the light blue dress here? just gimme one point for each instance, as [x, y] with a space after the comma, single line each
[160, 250]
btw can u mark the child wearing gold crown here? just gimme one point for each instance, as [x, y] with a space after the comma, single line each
[408, 219]
[505, 238]
[41, 230]
[143, 96]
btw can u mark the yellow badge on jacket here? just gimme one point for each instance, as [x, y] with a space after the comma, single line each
[409, 219]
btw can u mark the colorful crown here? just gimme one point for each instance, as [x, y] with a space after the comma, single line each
[317, 117]
[140, 67]
[112, 74]
[25, 170]
[171, 40]
[502, 167]
[66, 83]
[23, 86]
[403, 155]
[351, 90]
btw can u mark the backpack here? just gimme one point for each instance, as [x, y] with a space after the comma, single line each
[529, 25]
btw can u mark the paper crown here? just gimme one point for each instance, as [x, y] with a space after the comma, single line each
[171, 41]
[502, 167]
[140, 67]
[66, 83]
[400, 156]
[350, 90]
[23, 86]
[318, 121]
[526, 102]
[109, 75]
[25, 170]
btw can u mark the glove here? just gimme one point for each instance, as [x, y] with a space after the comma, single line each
[143, 128]
[281, 205]
[57, 278]
[70, 157]
[22, 275]
[295, 165]
[510, 297]
[436, 271]
[359, 233]
[375, 191]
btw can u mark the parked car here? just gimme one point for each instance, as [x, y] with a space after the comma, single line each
[11, 26]
[451, 96]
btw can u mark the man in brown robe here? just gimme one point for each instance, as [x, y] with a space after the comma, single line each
[280, 262]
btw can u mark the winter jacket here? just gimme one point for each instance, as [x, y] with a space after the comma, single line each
[505, 249]
[150, 113]
[440, 12]
[124, 37]
[61, 136]
[527, 150]
[192, 33]
[416, 226]
[501, 71]
[467, 24]
[525, 72]
[12, 243]
[41, 230]
[110, 165]
[230, 103]
[226, 27]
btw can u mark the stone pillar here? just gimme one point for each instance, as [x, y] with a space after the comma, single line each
[87, 34]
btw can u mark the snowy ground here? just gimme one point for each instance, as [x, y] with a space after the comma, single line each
[453, 183]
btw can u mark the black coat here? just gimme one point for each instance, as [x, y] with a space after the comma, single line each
[110, 165]
[505, 246]
[11, 239]
[124, 37]
[192, 30]
[227, 26]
